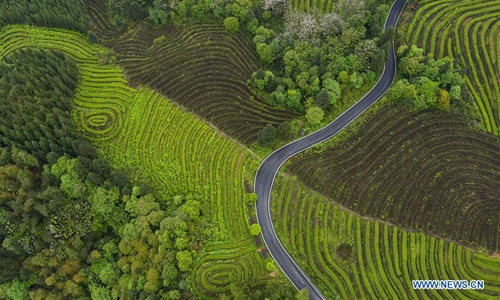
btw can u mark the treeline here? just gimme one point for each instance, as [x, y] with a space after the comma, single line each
[71, 226]
[68, 14]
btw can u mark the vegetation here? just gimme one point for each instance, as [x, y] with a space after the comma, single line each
[350, 257]
[335, 54]
[171, 242]
[410, 169]
[68, 14]
[466, 31]
[202, 68]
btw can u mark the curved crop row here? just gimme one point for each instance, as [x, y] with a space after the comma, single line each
[354, 258]
[468, 31]
[423, 171]
[225, 265]
[153, 138]
[202, 68]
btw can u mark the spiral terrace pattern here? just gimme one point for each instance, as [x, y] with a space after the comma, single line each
[179, 153]
[203, 68]
[468, 31]
[235, 265]
[424, 171]
[380, 260]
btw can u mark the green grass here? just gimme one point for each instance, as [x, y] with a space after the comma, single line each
[176, 152]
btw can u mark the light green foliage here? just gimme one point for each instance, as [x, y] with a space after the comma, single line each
[333, 89]
[443, 99]
[344, 77]
[425, 93]
[231, 24]
[145, 205]
[356, 80]
[293, 98]
[455, 92]
[429, 83]
[157, 14]
[314, 115]
[184, 260]
[402, 91]
[115, 117]
[465, 31]
[265, 52]
[255, 229]
[266, 135]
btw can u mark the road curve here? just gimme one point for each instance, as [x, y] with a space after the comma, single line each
[265, 176]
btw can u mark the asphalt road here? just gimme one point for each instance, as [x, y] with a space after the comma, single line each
[264, 179]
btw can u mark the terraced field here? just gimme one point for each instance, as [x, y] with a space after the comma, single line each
[202, 68]
[355, 258]
[422, 171]
[177, 152]
[469, 32]
[324, 6]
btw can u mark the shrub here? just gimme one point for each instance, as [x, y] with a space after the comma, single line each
[255, 229]
[314, 115]
[231, 24]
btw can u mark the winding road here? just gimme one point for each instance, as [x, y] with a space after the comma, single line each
[265, 176]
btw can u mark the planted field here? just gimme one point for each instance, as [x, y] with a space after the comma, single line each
[175, 151]
[324, 6]
[424, 171]
[467, 31]
[354, 258]
[202, 68]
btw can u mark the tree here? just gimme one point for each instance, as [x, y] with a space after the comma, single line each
[314, 115]
[265, 52]
[231, 24]
[284, 131]
[455, 92]
[333, 88]
[266, 135]
[443, 100]
[402, 91]
[356, 80]
[255, 229]
[426, 93]
[184, 260]
[91, 36]
[343, 77]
